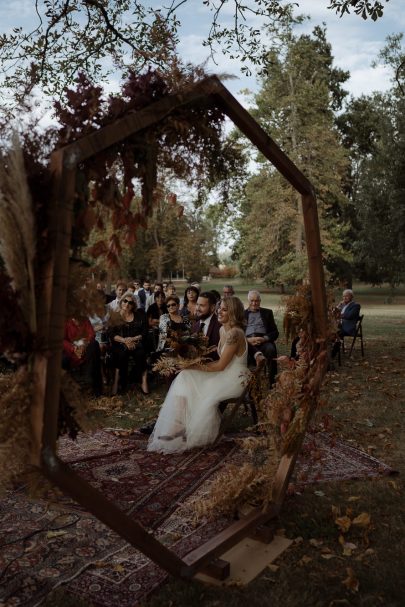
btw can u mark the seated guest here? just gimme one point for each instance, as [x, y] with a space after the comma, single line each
[171, 289]
[120, 289]
[228, 291]
[158, 287]
[144, 292]
[133, 288]
[106, 296]
[349, 312]
[128, 333]
[81, 351]
[171, 321]
[153, 315]
[261, 332]
[189, 307]
[207, 321]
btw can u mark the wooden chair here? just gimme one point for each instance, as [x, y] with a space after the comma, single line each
[244, 399]
[358, 334]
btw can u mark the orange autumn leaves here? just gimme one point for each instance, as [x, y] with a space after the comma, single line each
[345, 523]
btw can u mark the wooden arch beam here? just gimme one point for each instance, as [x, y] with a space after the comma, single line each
[48, 362]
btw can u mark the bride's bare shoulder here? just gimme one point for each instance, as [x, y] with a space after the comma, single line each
[234, 336]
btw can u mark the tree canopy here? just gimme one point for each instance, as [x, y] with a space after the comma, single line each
[296, 105]
[101, 37]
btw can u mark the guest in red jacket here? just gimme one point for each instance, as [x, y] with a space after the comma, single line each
[81, 352]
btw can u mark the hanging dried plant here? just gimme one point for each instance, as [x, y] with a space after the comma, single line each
[83, 298]
[17, 229]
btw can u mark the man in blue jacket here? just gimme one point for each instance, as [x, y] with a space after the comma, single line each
[349, 313]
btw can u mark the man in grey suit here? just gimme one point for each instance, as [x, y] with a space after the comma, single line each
[261, 333]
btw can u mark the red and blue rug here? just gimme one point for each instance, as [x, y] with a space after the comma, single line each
[51, 544]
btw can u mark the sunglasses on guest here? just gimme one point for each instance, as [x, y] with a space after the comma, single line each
[172, 305]
[128, 301]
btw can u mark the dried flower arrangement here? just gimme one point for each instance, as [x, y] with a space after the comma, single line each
[184, 350]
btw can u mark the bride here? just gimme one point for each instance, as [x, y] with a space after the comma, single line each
[189, 416]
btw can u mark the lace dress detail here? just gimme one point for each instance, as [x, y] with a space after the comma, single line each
[189, 416]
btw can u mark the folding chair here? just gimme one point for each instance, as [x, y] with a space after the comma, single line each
[358, 334]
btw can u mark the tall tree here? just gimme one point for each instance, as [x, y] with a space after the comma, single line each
[374, 131]
[296, 106]
[177, 241]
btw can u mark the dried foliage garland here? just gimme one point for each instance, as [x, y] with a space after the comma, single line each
[284, 412]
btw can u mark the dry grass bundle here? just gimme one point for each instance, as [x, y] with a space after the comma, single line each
[17, 229]
[248, 482]
[15, 426]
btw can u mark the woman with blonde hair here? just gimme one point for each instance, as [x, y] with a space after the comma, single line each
[189, 417]
[128, 332]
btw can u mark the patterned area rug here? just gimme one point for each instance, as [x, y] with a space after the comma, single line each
[45, 545]
[326, 458]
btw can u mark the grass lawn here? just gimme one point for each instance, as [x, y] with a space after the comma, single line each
[366, 400]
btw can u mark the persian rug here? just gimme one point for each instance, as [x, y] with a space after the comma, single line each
[46, 544]
[327, 458]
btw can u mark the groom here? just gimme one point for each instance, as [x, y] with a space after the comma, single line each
[207, 322]
[209, 325]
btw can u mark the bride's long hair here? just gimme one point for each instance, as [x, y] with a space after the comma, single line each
[236, 312]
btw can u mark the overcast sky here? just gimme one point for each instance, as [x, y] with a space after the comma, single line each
[355, 42]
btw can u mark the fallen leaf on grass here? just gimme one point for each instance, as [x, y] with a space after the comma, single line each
[348, 548]
[273, 568]
[344, 523]
[354, 498]
[328, 556]
[351, 582]
[304, 560]
[319, 493]
[394, 485]
[316, 543]
[52, 534]
[363, 520]
[369, 551]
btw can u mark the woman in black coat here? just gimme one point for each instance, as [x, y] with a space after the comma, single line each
[128, 334]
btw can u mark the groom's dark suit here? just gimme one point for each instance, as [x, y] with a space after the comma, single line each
[212, 332]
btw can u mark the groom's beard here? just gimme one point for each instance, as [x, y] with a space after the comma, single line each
[204, 316]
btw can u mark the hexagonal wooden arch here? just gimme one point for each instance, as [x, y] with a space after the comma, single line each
[51, 319]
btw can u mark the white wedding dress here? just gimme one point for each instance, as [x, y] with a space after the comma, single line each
[190, 410]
